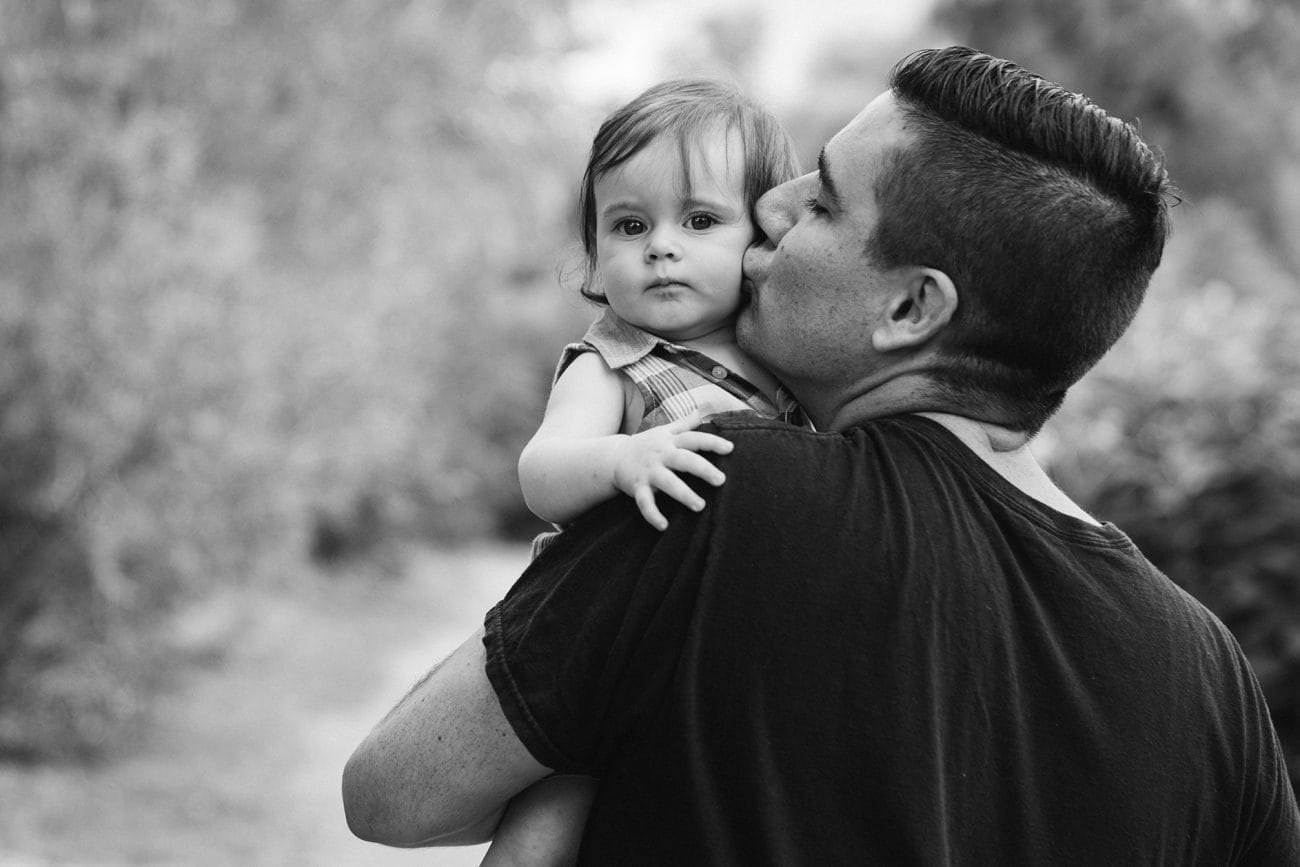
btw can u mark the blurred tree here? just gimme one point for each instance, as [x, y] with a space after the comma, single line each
[263, 266]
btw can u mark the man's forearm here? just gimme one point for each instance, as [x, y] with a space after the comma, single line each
[381, 807]
[442, 765]
[480, 831]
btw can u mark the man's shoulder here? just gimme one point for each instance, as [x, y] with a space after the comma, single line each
[759, 439]
[755, 428]
[775, 459]
[751, 421]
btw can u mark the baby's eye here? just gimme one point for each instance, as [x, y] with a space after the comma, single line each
[630, 226]
[815, 206]
[700, 222]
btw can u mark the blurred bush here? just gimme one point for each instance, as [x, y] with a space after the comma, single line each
[278, 282]
[277, 279]
[1188, 434]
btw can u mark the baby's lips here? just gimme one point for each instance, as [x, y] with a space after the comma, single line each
[663, 281]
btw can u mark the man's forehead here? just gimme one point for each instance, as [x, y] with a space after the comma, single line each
[880, 117]
[881, 107]
[858, 149]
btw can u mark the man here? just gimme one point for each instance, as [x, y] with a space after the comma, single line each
[895, 641]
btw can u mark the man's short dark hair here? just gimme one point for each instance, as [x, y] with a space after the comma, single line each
[1048, 214]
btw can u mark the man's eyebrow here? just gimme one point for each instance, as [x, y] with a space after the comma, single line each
[828, 185]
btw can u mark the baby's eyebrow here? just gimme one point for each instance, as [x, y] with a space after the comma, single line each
[619, 205]
[828, 184]
[711, 204]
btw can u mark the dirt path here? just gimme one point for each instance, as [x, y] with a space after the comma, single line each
[243, 766]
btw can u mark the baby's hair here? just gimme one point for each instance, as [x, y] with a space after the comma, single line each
[684, 108]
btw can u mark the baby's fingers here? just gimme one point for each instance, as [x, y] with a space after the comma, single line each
[668, 482]
[683, 461]
[645, 503]
[697, 441]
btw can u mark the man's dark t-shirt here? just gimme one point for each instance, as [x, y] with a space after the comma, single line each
[872, 649]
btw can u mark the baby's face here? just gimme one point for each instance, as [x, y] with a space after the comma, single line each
[668, 259]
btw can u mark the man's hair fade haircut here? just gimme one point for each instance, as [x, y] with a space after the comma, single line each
[1047, 213]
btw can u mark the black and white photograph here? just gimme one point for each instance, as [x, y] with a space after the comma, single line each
[530, 433]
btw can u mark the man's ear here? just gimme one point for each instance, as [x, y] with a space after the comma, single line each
[923, 303]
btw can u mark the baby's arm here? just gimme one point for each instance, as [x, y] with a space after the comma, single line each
[579, 457]
[543, 824]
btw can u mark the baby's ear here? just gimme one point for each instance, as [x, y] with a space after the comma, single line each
[923, 303]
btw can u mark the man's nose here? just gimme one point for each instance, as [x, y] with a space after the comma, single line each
[778, 209]
[662, 244]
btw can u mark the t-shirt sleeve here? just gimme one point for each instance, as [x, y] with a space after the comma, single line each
[1271, 822]
[581, 649]
[1275, 836]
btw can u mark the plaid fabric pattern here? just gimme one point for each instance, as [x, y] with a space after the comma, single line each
[675, 381]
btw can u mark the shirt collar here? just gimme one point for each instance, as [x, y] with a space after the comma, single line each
[621, 343]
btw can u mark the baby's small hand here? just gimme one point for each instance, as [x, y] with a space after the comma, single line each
[650, 460]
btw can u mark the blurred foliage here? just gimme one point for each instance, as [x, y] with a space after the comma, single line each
[277, 278]
[1212, 83]
[278, 284]
[1188, 434]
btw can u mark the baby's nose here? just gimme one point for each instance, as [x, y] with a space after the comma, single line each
[662, 245]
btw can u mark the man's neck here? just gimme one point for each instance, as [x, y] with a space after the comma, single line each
[1005, 450]
[866, 400]
[983, 437]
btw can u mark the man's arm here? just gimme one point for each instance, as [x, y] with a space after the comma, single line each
[441, 767]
